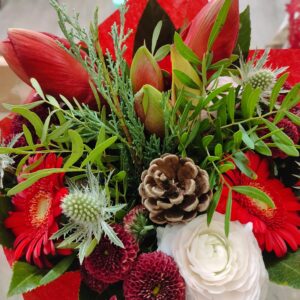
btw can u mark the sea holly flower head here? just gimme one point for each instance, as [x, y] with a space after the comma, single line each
[256, 73]
[89, 211]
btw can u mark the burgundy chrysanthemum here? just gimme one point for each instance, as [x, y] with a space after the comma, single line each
[94, 284]
[110, 263]
[289, 128]
[155, 276]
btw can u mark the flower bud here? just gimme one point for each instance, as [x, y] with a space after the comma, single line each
[196, 36]
[148, 108]
[181, 64]
[145, 70]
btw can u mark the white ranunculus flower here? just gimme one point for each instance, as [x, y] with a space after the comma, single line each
[214, 267]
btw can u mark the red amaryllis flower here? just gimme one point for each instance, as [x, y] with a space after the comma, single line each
[273, 228]
[36, 55]
[110, 263]
[179, 11]
[197, 34]
[36, 209]
[154, 276]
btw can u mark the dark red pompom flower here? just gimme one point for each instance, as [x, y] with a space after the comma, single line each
[154, 276]
[36, 209]
[274, 228]
[110, 263]
[92, 282]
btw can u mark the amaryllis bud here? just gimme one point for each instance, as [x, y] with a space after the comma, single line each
[179, 63]
[148, 107]
[36, 55]
[145, 70]
[197, 34]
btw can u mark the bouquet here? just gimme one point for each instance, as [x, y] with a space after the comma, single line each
[156, 158]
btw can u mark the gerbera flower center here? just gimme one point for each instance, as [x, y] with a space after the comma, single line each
[39, 208]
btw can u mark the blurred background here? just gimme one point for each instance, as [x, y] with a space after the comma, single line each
[267, 15]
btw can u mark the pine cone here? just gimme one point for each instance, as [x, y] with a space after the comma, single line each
[174, 189]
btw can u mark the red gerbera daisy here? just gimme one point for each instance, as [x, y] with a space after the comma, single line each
[273, 228]
[36, 209]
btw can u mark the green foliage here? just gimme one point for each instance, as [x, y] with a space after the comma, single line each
[244, 38]
[27, 277]
[285, 271]
[6, 237]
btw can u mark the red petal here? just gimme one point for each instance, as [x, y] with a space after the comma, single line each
[56, 71]
[66, 287]
[8, 52]
[284, 58]
[197, 35]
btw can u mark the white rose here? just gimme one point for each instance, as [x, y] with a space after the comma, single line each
[214, 267]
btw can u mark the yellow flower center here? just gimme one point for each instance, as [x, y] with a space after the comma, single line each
[39, 208]
[156, 291]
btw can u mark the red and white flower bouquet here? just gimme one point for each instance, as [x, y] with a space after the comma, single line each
[156, 158]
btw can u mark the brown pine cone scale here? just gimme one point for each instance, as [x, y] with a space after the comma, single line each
[174, 189]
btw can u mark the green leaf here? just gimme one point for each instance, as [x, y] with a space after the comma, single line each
[219, 150]
[25, 278]
[295, 119]
[186, 80]
[262, 148]
[32, 117]
[98, 151]
[153, 13]
[285, 271]
[155, 36]
[28, 135]
[46, 127]
[226, 167]
[58, 270]
[290, 100]
[184, 50]
[230, 101]
[214, 204]
[207, 140]
[53, 101]
[219, 23]
[238, 138]
[33, 177]
[244, 37]
[77, 148]
[281, 140]
[37, 87]
[241, 161]
[246, 138]
[255, 194]
[6, 236]
[228, 213]
[26, 105]
[162, 52]
[276, 90]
